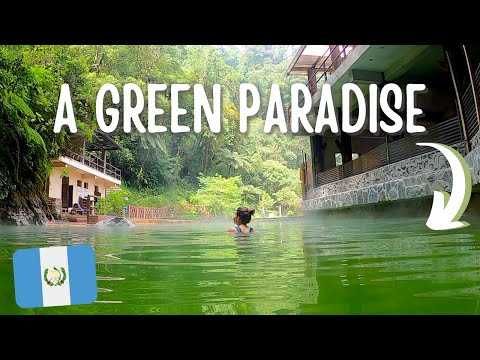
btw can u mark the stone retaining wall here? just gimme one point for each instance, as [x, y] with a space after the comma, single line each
[410, 178]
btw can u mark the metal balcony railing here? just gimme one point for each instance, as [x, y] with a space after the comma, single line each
[95, 163]
[333, 57]
[447, 132]
[468, 103]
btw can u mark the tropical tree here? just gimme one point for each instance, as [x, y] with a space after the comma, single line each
[220, 195]
[287, 198]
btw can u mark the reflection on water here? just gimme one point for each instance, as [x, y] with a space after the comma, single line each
[296, 266]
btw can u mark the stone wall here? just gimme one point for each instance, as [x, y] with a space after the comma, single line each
[55, 205]
[411, 178]
[473, 159]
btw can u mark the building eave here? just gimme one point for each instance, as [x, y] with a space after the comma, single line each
[102, 141]
[64, 161]
[295, 59]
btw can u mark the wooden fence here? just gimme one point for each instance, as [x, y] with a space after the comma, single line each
[140, 212]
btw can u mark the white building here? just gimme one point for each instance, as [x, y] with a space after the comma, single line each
[83, 178]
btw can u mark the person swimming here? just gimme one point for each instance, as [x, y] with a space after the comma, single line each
[242, 217]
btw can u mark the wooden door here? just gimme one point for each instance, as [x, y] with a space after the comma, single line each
[70, 196]
[65, 182]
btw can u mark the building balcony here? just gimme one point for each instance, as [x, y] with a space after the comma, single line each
[448, 132]
[385, 167]
[318, 62]
[362, 65]
[90, 164]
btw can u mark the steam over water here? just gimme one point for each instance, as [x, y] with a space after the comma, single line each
[316, 265]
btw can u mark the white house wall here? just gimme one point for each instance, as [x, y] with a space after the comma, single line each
[55, 188]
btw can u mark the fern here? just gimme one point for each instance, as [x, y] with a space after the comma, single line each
[33, 137]
[18, 103]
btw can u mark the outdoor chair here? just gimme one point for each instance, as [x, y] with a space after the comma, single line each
[78, 210]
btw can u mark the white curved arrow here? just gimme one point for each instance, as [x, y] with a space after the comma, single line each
[447, 209]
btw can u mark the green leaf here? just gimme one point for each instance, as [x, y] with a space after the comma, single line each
[18, 103]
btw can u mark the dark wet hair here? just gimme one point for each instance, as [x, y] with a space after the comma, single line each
[245, 214]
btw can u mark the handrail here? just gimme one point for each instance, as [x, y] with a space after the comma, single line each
[328, 54]
[468, 105]
[447, 132]
[95, 163]
[343, 51]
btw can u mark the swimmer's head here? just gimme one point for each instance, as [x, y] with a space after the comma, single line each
[243, 215]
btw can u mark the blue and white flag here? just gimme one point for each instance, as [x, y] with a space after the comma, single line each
[55, 276]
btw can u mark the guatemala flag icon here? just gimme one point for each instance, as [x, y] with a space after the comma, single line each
[55, 276]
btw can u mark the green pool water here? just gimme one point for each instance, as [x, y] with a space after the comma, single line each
[319, 265]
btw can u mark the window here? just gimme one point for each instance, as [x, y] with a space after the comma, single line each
[338, 158]
[96, 188]
[85, 185]
[79, 183]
